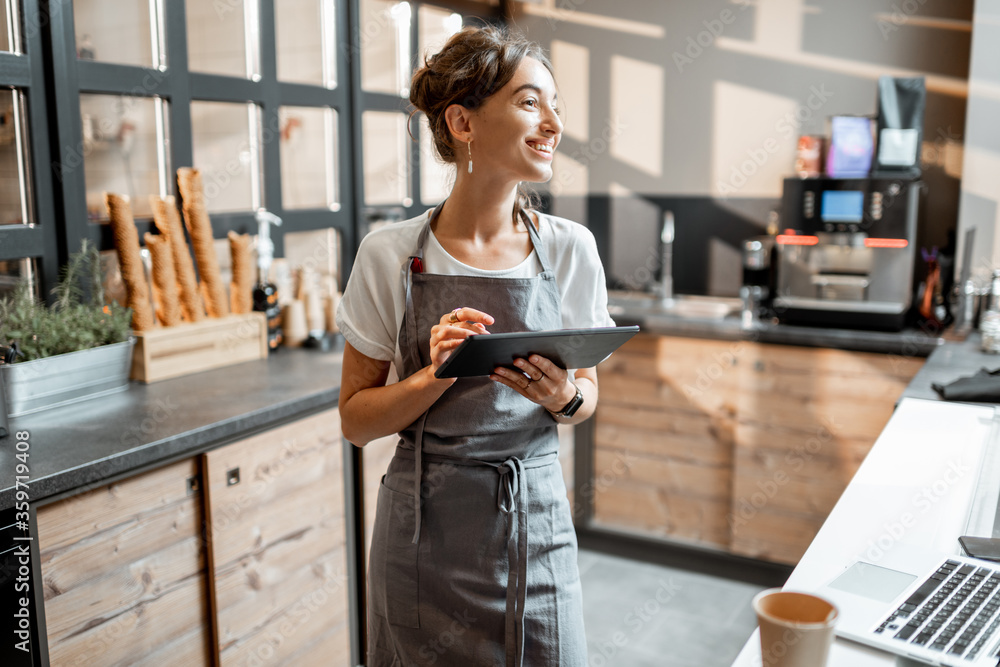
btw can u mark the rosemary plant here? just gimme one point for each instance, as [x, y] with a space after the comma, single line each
[75, 321]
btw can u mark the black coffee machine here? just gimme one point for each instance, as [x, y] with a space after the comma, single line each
[847, 251]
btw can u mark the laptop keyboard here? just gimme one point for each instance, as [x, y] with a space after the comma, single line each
[953, 612]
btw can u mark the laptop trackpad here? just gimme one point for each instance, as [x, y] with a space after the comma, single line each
[872, 581]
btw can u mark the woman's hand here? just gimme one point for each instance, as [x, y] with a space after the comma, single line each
[538, 380]
[452, 329]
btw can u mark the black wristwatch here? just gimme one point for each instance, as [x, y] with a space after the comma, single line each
[570, 408]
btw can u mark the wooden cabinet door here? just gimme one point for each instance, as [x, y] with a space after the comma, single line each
[123, 570]
[807, 419]
[663, 453]
[276, 526]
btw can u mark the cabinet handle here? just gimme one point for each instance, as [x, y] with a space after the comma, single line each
[193, 485]
[233, 477]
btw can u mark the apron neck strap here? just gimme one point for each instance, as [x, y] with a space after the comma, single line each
[536, 239]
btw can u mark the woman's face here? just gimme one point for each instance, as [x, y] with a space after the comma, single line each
[516, 131]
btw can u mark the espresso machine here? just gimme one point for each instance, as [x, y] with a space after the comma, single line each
[847, 251]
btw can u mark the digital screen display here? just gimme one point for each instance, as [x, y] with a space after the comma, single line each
[842, 206]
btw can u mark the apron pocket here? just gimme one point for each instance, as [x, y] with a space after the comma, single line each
[394, 559]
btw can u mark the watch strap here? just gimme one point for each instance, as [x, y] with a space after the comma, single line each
[570, 408]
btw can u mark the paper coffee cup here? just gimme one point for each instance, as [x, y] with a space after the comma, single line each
[796, 629]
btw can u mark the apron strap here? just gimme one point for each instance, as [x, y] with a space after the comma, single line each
[536, 240]
[513, 482]
[414, 360]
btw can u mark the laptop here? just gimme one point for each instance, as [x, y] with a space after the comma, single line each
[938, 610]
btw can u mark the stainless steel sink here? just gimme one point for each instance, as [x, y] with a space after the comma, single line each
[682, 306]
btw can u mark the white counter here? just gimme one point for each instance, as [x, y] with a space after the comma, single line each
[915, 489]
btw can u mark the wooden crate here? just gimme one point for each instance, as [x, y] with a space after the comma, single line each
[167, 352]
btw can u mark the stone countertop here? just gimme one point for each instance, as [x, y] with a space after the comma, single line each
[909, 342]
[89, 442]
[947, 364]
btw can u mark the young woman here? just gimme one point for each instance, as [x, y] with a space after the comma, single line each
[474, 557]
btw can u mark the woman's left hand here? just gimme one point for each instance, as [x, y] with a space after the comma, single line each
[539, 380]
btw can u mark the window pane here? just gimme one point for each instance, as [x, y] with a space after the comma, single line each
[13, 160]
[436, 26]
[226, 153]
[385, 143]
[308, 157]
[306, 38]
[384, 34]
[14, 270]
[317, 253]
[436, 177]
[116, 32]
[122, 151]
[216, 35]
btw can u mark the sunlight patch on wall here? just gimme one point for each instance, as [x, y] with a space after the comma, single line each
[570, 177]
[637, 101]
[571, 63]
[753, 144]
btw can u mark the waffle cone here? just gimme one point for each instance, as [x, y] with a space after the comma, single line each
[241, 287]
[199, 227]
[168, 221]
[130, 260]
[168, 306]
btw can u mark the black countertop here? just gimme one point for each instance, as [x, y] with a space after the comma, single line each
[947, 364]
[908, 342]
[90, 442]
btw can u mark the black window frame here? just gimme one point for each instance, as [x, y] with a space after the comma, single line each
[38, 237]
[179, 87]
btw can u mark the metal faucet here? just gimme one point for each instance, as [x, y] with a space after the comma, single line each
[664, 287]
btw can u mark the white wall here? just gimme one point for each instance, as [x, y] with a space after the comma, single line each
[980, 202]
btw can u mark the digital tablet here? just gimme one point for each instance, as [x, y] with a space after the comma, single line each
[567, 348]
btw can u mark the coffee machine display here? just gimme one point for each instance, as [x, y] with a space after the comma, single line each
[847, 255]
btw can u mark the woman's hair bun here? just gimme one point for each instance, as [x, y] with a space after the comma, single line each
[473, 64]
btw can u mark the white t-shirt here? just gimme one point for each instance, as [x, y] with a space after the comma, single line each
[371, 310]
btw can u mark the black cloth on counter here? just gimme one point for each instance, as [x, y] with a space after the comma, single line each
[983, 387]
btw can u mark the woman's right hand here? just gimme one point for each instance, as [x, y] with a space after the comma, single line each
[453, 328]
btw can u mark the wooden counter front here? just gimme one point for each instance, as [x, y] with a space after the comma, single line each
[739, 445]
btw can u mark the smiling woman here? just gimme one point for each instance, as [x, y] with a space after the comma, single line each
[474, 557]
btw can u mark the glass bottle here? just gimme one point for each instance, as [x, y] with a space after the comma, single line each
[989, 325]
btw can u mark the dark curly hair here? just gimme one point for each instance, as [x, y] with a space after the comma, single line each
[474, 64]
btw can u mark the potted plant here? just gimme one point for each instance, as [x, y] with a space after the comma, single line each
[78, 348]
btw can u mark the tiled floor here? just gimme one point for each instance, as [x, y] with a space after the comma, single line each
[643, 615]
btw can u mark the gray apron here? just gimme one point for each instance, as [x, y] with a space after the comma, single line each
[474, 556]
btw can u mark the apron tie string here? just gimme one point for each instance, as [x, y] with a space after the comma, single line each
[512, 482]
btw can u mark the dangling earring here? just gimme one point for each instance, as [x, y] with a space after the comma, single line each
[470, 155]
